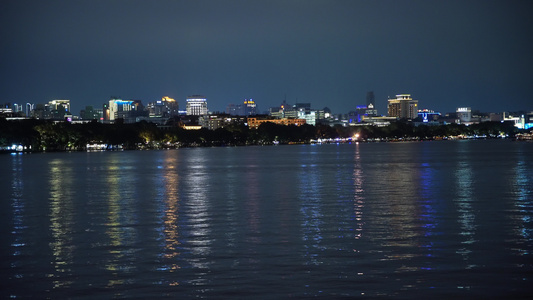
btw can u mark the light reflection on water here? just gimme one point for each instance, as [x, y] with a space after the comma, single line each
[61, 219]
[19, 212]
[310, 186]
[371, 220]
[197, 217]
[396, 217]
[359, 191]
[121, 222]
[429, 206]
[522, 213]
[464, 200]
[170, 186]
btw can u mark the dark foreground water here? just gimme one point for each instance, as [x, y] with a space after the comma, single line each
[422, 220]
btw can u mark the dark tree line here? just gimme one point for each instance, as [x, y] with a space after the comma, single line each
[44, 135]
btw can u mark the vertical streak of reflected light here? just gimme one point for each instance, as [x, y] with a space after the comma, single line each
[428, 204]
[464, 186]
[359, 199]
[402, 209]
[252, 203]
[232, 195]
[18, 207]
[113, 222]
[170, 219]
[121, 218]
[311, 209]
[61, 219]
[199, 239]
[523, 204]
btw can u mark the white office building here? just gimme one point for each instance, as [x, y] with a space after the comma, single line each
[196, 106]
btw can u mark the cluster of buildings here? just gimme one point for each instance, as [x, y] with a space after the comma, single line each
[196, 114]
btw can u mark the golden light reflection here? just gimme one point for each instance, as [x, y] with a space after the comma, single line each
[393, 222]
[171, 216]
[113, 221]
[61, 219]
[402, 207]
[121, 182]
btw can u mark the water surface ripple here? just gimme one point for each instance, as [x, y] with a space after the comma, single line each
[405, 220]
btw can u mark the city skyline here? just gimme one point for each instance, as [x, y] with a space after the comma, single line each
[329, 53]
[238, 105]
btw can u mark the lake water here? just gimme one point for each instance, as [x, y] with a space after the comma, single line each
[409, 220]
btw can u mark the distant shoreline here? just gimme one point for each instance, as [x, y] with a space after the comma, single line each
[7, 151]
[46, 136]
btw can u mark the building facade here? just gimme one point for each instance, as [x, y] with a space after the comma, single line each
[309, 117]
[57, 109]
[214, 122]
[464, 115]
[196, 105]
[166, 108]
[428, 116]
[59, 104]
[370, 99]
[254, 123]
[127, 110]
[90, 113]
[248, 108]
[403, 107]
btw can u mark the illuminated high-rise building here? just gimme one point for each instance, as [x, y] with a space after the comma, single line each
[171, 105]
[17, 108]
[57, 104]
[29, 109]
[166, 107]
[57, 109]
[371, 110]
[127, 110]
[370, 99]
[464, 115]
[403, 107]
[196, 105]
[249, 107]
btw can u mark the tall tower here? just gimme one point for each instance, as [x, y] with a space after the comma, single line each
[249, 107]
[370, 99]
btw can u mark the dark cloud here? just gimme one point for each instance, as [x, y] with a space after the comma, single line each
[330, 53]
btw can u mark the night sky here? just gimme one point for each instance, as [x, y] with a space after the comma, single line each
[329, 53]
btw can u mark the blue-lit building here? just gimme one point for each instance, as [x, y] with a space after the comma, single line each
[127, 110]
[428, 116]
[361, 113]
[358, 115]
[528, 120]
